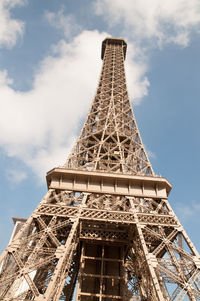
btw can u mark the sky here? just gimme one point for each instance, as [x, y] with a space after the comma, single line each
[49, 69]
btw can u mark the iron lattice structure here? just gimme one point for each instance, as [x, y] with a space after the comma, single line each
[105, 229]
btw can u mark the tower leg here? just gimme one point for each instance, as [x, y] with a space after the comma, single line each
[65, 255]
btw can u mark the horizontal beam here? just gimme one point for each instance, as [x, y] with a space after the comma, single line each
[108, 183]
[95, 215]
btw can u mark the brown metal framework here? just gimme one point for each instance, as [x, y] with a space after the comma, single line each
[105, 229]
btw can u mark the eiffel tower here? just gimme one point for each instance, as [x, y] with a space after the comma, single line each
[104, 230]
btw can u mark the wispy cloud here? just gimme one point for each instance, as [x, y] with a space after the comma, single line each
[187, 211]
[15, 176]
[150, 154]
[10, 29]
[163, 22]
[65, 23]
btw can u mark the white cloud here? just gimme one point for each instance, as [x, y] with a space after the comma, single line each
[163, 21]
[136, 67]
[4, 79]
[135, 61]
[61, 21]
[38, 127]
[10, 28]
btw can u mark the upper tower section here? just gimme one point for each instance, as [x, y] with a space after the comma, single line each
[110, 140]
[113, 41]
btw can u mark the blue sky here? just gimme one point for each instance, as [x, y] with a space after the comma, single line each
[49, 69]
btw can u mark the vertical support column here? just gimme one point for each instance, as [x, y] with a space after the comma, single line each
[147, 255]
[57, 280]
[101, 275]
[14, 244]
[65, 256]
[150, 264]
[82, 263]
[122, 274]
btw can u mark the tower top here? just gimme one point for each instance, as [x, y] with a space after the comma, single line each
[113, 41]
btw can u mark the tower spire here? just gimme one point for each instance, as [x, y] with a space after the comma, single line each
[110, 140]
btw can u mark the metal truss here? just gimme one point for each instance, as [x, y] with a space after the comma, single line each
[110, 140]
[105, 229]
